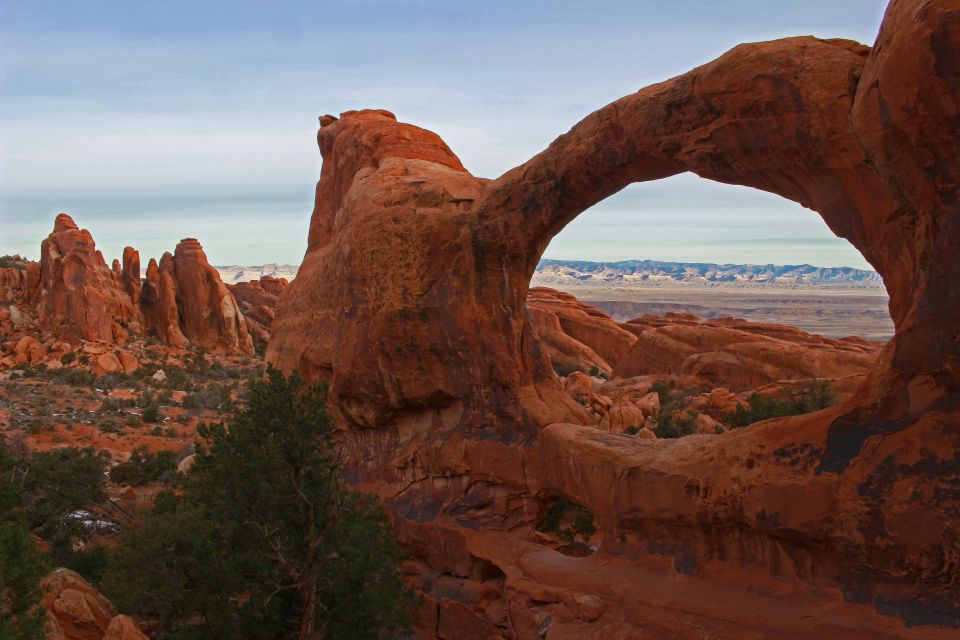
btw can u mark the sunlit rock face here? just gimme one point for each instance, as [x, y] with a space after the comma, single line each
[411, 302]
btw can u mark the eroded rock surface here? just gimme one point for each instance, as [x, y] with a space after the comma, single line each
[185, 302]
[412, 302]
[72, 295]
[77, 611]
[79, 296]
[258, 303]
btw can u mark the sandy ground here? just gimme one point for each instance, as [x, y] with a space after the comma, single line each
[833, 311]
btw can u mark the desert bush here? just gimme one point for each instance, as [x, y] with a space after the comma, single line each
[213, 396]
[113, 380]
[563, 370]
[11, 262]
[109, 425]
[673, 420]
[144, 467]
[177, 378]
[810, 395]
[571, 521]
[151, 413]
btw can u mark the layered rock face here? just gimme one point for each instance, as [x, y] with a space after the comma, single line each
[185, 302]
[411, 301]
[78, 296]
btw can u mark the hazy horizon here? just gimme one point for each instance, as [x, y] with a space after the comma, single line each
[150, 123]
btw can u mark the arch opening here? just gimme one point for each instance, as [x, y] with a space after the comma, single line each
[656, 328]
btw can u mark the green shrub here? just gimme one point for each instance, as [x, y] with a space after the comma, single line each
[662, 389]
[571, 521]
[12, 262]
[213, 396]
[563, 370]
[670, 424]
[68, 357]
[144, 467]
[177, 378]
[151, 413]
[113, 380]
[810, 395]
[109, 425]
[90, 562]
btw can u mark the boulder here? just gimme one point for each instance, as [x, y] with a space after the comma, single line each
[622, 416]
[123, 628]
[706, 425]
[106, 363]
[128, 361]
[649, 404]
[77, 611]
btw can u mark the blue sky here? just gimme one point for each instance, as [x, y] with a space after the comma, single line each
[149, 122]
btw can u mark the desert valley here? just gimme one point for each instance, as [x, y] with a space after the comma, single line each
[516, 447]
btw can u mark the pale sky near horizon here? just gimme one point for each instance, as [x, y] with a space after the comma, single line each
[150, 122]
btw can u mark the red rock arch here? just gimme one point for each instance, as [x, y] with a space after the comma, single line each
[404, 242]
[410, 301]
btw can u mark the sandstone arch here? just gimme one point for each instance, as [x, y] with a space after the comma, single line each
[810, 120]
[410, 301]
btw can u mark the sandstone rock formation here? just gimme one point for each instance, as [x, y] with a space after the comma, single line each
[727, 352]
[78, 296]
[577, 335]
[738, 354]
[258, 303]
[411, 301]
[185, 302]
[73, 295]
[77, 611]
[259, 293]
[18, 281]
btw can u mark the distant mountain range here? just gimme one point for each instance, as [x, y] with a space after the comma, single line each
[639, 273]
[653, 272]
[235, 273]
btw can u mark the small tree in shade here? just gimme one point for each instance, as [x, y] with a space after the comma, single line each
[265, 539]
